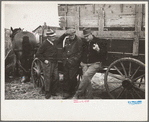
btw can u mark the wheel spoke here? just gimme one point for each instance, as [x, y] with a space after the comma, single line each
[42, 82]
[120, 93]
[139, 83]
[115, 82]
[123, 68]
[35, 64]
[138, 88]
[115, 76]
[126, 94]
[135, 72]
[132, 94]
[138, 77]
[136, 93]
[35, 69]
[129, 69]
[34, 72]
[116, 88]
[118, 71]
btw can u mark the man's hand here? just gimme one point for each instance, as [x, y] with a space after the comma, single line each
[46, 61]
[96, 47]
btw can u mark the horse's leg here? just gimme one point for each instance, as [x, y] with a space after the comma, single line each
[17, 67]
[27, 67]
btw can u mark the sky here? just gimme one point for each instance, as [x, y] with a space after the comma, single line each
[29, 15]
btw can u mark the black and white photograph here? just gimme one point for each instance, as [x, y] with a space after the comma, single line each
[74, 60]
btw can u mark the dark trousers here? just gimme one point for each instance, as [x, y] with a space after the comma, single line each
[51, 77]
[70, 78]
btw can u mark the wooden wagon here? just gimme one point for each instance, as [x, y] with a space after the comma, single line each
[122, 26]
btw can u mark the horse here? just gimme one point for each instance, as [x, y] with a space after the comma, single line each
[24, 46]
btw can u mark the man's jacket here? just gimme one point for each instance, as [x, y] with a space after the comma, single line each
[47, 51]
[71, 50]
[89, 55]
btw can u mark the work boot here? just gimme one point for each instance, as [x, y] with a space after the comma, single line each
[47, 95]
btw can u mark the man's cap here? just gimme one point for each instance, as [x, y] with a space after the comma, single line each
[70, 31]
[86, 31]
[50, 33]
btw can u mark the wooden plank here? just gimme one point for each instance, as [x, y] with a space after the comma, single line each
[105, 34]
[129, 8]
[93, 8]
[101, 21]
[121, 6]
[89, 22]
[77, 18]
[115, 9]
[120, 22]
[88, 16]
[114, 16]
[70, 21]
[66, 15]
[71, 10]
[61, 13]
[143, 15]
[116, 34]
[138, 20]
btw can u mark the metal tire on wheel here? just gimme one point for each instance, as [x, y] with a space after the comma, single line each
[125, 79]
[37, 73]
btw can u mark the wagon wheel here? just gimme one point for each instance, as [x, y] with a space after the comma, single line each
[125, 79]
[37, 73]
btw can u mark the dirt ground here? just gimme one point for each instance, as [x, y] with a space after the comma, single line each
[15, 89]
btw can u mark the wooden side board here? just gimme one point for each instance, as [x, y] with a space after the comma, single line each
[101, 16]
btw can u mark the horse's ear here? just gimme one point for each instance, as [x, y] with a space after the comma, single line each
[11, 29]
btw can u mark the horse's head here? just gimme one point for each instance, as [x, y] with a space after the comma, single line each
[14, 32]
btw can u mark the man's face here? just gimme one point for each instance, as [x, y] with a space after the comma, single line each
[72, 36]
[51, 38]
[88, 37]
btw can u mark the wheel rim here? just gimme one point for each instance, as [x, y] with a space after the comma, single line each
[125, 79]
[37, 73]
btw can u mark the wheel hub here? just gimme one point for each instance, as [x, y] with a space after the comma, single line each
[127, 84]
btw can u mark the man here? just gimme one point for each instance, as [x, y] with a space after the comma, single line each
[71, 60]
[47, 53]
[93, 54]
